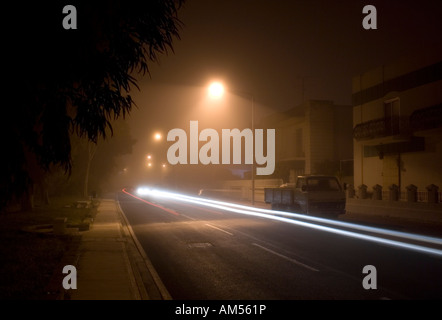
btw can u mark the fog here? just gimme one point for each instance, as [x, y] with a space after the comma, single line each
[279, 53]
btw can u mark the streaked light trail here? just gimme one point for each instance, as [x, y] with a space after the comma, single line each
[281, 216]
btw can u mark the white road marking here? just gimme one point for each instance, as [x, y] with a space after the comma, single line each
[285, 257]
[209, 225]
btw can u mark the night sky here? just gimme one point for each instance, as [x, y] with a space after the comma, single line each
[279, 52]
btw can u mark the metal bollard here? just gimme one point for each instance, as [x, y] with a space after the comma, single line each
[362, 191]
[433, 191]
[350, 191]
[411, 193]
[394, 192]
[377, 192]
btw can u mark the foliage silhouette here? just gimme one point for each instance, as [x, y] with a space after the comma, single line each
[73, 81]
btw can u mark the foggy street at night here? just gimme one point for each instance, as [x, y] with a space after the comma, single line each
[206, 252]
[221, 150]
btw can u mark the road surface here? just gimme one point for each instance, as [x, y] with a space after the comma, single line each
[208, 253]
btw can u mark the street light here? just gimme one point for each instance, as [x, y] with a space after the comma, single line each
[216, 91]
[157, 136]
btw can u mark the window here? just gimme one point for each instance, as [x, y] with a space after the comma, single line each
[323, 184]
[392, 110]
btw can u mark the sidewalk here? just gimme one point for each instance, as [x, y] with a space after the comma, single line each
[110, 265]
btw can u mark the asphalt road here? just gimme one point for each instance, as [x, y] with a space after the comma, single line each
[206, 253]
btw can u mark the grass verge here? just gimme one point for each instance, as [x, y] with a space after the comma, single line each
[30, 252]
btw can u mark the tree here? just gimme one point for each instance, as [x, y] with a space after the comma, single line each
[104, 164]
[93, 165]
[91, 150]
[73, 81]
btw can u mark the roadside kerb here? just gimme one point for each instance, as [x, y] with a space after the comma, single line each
[155, 288]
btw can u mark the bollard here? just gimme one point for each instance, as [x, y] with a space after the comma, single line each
[362, 191]
[350, 191]
[394, 192]
[377, 192]
[411, 193]
[433, 191]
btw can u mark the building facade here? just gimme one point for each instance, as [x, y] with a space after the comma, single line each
[397, 125]
[313, 138]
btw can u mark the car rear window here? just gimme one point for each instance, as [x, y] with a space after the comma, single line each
[323, 184]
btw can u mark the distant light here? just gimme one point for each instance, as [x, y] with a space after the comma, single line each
[143, 191]
[157, 136]
[216, 90]
[164, 165]
[149, 156]
[149, 164]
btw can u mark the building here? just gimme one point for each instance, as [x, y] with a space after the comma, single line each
[397, 125]
[315, 137]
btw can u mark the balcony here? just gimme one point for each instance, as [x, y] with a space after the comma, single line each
[382, 127]
[426, 118]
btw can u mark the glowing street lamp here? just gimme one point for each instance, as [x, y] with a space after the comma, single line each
[216, 91]
[149, 160]
[157, 136]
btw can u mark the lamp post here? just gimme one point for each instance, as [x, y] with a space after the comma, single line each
[216, 91]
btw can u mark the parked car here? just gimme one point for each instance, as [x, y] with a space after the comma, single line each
[312, 194]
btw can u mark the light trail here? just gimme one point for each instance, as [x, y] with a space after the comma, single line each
[278, 216]
[152, 204]
[398, 234]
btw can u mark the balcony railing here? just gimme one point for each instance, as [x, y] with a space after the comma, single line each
[421, 119]
[426, 118]
[382, 127]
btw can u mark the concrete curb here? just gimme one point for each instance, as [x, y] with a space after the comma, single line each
[148, 280]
